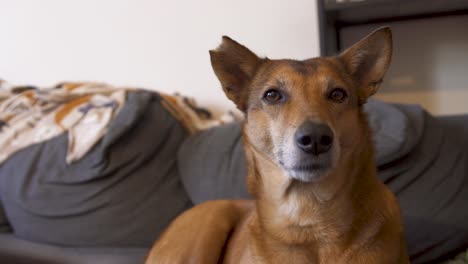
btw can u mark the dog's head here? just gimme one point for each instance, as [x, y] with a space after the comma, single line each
[305, 116]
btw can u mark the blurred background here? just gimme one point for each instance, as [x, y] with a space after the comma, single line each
[430, 52]
[163, 45]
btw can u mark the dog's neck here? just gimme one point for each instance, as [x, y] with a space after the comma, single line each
[314, 214]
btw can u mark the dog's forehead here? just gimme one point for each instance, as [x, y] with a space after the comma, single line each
[301, 67]
[311, 69]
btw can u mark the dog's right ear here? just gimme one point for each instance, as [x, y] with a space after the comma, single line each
[368, 60]
[235, 67]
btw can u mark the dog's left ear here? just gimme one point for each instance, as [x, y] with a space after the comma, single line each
[368, 60]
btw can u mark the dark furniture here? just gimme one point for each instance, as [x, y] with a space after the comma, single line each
[335, 15]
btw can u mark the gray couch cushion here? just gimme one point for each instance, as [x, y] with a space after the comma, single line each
[396, 129]
[211, 164]
[431, 183]
[121, 194]
[4, 225]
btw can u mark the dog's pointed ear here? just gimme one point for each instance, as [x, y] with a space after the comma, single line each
[235, 67]
[368, 60]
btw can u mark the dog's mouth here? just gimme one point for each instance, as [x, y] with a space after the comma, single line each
[308, 172]
[309, 167]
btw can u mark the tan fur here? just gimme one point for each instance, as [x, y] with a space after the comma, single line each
[347, 216]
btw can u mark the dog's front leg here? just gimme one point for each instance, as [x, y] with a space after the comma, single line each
[199, 234]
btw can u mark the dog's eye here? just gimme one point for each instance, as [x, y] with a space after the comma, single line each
[273, 96]
[337, 95]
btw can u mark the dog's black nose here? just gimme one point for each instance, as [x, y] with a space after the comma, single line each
[314, 138]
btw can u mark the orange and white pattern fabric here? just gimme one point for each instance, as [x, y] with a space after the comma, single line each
[192, 116]
[29, 116]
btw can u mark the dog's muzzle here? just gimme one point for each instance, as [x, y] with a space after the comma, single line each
[313, 156]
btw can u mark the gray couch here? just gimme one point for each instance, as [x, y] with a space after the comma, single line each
[110, 206]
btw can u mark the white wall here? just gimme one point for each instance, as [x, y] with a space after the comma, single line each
[160, 45]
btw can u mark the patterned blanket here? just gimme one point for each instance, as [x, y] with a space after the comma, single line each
[30, 115]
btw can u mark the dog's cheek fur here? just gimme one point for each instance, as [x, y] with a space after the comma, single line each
[290, 120]
[283, 123]
[260, 138]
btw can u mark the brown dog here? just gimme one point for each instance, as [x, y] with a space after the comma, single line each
[310, 166]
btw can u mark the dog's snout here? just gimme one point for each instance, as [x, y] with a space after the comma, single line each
[314, 138]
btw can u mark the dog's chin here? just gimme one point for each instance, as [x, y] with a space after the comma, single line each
[307, 168]
[308, 175]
